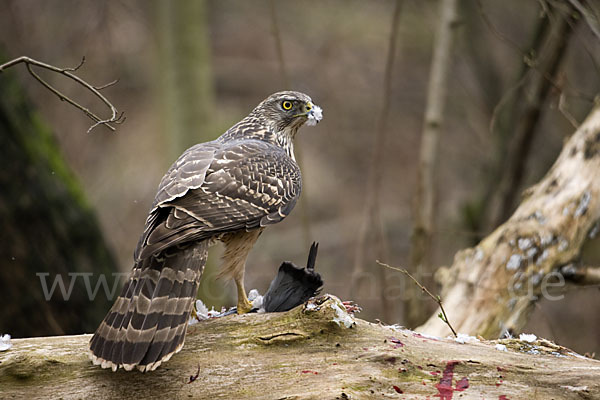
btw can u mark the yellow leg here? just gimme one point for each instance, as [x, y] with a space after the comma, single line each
[237, 247]
[243, 304]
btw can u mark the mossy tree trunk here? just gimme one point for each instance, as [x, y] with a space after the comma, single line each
[48, 230]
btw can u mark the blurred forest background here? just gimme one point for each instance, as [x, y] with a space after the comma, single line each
[188, 70]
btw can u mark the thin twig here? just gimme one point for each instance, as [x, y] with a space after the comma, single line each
[531, 58]
[437, 299]
[115, 118]
[563, 109]
[504, 99]
[106, 85]
[581, 275]
[495, 30]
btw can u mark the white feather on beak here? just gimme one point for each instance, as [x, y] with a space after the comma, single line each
[314, 115]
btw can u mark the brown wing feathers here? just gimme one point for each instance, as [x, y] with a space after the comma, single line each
[238, 192]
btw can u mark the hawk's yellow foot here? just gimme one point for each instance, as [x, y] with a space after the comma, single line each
[243, 304]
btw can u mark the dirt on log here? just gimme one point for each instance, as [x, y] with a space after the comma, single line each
[315, 351]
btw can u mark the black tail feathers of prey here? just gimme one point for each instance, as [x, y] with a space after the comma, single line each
[293, 285]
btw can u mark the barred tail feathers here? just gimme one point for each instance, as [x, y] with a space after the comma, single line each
[147, 323]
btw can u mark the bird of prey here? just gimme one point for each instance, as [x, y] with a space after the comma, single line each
[228, 189]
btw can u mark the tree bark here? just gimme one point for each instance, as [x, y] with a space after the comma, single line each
[491, 288]
[305, 354]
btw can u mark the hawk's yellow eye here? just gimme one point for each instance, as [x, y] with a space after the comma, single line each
[286, 105]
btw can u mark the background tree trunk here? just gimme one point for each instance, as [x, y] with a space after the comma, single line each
[47, 228]
[186, 89]
[424, 201]
[306, 354]
[516, 116]
[491, 288]
[186, 94]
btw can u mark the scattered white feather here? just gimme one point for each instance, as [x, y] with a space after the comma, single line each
[256, 298]
[464, 338]
[426, 336]
[501, 347]
[395, 327]
[203, 313]
[201, 309]
[5, 343]
[576, 388]
[342, 317]
[571, 353]
[527, 337]
[315, 115]
[253, 294]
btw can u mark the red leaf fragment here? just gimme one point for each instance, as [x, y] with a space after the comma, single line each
[308, 371]
[396, 343]
[462, 384]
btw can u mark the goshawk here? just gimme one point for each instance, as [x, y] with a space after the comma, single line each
[228, 189]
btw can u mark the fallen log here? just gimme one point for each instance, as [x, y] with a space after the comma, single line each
[315, 351]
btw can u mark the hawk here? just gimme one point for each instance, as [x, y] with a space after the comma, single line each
[228, 189]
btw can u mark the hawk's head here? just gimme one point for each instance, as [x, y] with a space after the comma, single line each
[285, 112]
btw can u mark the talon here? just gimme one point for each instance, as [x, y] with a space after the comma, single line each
[243, 307]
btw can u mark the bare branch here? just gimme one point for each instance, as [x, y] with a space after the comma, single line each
[78, 65]
[566, 113]
[512, 91]
[584, 275]
[115, 118]
[437, 299]
[106, 85]
[496, 32]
